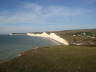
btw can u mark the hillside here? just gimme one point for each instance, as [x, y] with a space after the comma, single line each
[54, 59]
[79, 37]
[76, 37]
[72, 58]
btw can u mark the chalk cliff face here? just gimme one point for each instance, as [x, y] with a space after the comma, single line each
[52, 36]
[58, 38]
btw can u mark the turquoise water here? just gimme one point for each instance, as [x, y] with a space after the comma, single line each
[12, 45]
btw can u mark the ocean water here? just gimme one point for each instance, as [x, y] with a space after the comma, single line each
[12, 45]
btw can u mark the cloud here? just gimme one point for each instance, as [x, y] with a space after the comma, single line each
[37, 14]
[90, 2]
[35, 17]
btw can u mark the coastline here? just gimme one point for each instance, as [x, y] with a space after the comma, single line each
[51, 36]
[20, 54]
[71, 58]
[53, 59]
[33, 48]
[54, 41]
[24, 53]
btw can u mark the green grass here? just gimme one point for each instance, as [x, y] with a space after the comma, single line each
[68, 35]
[54, 59]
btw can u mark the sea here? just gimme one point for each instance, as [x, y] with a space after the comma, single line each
[12, 45]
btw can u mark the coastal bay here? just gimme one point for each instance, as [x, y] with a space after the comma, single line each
[12, 45]
[75, 57]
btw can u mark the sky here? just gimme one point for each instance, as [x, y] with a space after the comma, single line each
[46, 15]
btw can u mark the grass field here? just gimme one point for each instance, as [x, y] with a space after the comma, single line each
[54, 59]
[84, 39]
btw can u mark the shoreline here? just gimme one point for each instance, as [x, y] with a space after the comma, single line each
[47, 59]
[24, 53]
[51, 36]
[20, 54]
[54, 41]
[42, 43]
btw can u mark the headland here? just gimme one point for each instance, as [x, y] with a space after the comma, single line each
[79, 56]
[52, 36]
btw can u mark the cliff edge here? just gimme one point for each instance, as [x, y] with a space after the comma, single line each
[52, 36]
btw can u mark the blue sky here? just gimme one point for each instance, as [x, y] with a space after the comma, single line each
[46, 15]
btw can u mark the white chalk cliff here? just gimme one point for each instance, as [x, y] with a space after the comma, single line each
[52, 36]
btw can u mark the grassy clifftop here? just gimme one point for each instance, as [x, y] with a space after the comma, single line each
[58, 58]
[78, 37]
[68, 33]
[83, 36]
[54, 59]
